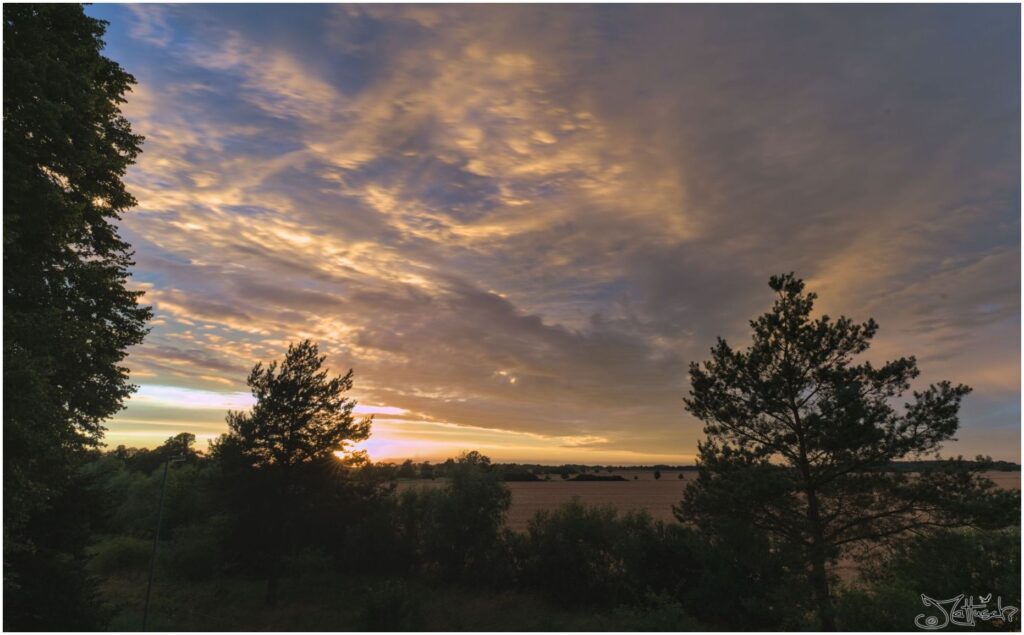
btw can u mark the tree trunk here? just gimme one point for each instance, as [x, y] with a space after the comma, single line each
[819, 579]
[819, 574]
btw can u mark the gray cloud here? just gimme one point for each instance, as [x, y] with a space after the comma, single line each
[531, 218]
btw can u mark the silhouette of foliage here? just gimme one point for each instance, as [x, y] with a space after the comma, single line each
[942, 565]
[427, 470]
[300, 415]
[588, 556]
[407, 469]
[418, 553]
[797, 432]
[455, 532]
[276, 450]
[597, 477]
[68, 316]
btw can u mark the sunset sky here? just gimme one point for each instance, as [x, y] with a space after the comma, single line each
[519, 224]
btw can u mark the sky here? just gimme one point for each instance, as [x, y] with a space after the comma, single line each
[520, 224]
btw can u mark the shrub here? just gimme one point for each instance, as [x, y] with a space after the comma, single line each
[377, 543]
[196, 552]
[392, 606]
[589, 555]
[456, 532]
[941, 565]
[746, 582]
[655, 613]
[119, 554]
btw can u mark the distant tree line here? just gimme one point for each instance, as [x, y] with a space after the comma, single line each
[512, 472]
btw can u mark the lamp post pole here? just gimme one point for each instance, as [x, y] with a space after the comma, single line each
[156, 539]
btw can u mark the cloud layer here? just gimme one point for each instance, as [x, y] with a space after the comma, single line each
[520, 223]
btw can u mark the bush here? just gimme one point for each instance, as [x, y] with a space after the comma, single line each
[197, 551]
[119, 554]
[54, 592]
[392, 606]
[655, 613]
[456, 533]
[138, 499]
[589, 555]
[747, 583]
[376, 543]
[941, 565]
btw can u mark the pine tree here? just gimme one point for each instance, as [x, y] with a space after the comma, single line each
[801, 438]
[301, 417]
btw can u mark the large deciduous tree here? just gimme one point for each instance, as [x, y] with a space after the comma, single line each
[802, 436]
[68, 314]
[302, 416]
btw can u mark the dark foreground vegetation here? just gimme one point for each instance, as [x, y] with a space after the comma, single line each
[794, 486]
[364, 557]
[269, 529]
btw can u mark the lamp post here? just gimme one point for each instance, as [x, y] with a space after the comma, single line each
[156, 538]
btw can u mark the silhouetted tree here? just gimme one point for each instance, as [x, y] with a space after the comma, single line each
[68, 316]
[407, 469]
[799, 436]
[181, 445]
[473, 457]
[301, 417]
[458, 528]
[427, 470]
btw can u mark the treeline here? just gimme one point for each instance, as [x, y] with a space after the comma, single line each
[410, 469]
[940, 465]
[351, 525]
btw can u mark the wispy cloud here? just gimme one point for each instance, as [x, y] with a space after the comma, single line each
[530, 219]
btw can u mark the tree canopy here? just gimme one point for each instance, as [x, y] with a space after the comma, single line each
[301, 414]
[800, 434]
[276, 453]
[69, 316]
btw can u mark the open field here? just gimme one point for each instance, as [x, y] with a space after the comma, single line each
[645, 492]
[655, 496]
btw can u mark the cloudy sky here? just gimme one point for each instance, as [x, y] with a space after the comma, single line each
[519, 224]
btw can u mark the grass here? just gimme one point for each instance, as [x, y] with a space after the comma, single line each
[320, 604]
